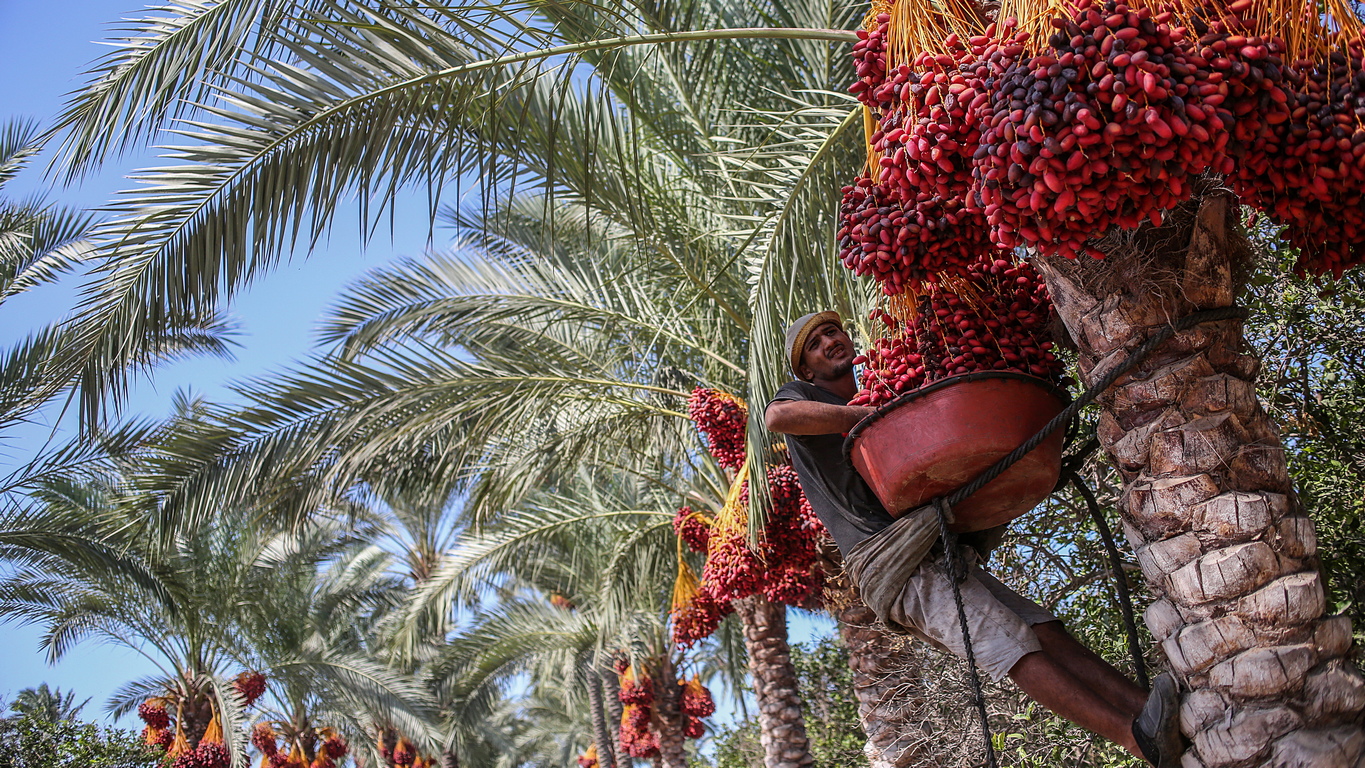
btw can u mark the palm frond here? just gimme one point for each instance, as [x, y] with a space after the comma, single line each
[373, 102]
[20, 141]
[372, 687]
[161, 66]
[55, 242]
[31, 536]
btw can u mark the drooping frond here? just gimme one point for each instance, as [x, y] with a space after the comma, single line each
[473, 566]
[161, 64]
[20, 140]
[793, 268]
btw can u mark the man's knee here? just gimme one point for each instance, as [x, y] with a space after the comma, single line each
[1028, 666]
[1051, 630]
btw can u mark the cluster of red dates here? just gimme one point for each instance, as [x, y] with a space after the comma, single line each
[1004, 140]
[1105, 125]
[200, 750]
[994, 319]
[637, 693]
[783, 569]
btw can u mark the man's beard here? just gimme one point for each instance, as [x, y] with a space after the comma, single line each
[842, 369]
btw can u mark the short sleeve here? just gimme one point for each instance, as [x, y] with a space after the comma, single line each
[792, 390]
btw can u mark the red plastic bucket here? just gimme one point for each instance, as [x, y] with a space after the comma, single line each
[943, 436]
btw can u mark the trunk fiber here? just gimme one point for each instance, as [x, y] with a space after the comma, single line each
[1208, 505]
[782, 729]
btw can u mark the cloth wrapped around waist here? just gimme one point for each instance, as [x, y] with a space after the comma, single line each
[882, 563]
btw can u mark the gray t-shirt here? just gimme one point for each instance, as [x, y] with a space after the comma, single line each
[838, 494]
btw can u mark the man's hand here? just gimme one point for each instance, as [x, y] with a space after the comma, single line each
[805, 417]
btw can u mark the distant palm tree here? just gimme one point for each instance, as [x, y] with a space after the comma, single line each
[49, 705]
[212, 602]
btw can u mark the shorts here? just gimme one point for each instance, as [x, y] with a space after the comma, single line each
[905, 581]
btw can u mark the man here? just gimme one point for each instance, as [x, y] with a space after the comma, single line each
[901, 572]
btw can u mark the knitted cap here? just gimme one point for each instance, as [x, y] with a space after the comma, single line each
[799, 331]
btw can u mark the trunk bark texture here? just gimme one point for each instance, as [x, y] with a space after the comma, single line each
[601, 731]
[668, 717]
[782, 729]
[1208, 505]
[882, 676]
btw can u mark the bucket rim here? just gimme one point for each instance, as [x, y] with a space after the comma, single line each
[907, 397]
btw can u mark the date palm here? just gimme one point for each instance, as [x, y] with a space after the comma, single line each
[1192, 478]
[420, 521]
[313, 634]
[47, 704]
[176, 627]
[570, 368]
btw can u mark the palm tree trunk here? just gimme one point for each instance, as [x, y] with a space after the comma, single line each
[450, 758]
[611, 693]
[668, 716]
[883, 673]
[782, 730]
[195, 716]
[601, 733]
[1208, 503]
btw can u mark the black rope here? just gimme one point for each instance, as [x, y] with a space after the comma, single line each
[943, 505]
[950, 553]
[1070, 475]
[1075, 459]
[1120, 581]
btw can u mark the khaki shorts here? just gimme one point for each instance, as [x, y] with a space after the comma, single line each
[906, 583]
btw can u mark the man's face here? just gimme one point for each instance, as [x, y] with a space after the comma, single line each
[828, 353]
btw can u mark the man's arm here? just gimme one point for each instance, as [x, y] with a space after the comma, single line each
[807, 417]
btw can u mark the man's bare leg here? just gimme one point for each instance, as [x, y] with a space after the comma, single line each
[1093, 671]
[1052, 685]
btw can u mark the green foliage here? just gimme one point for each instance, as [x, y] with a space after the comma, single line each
[831, 712]
[1036, 738]
[31, 738]
[836, 735]
[737, 746]
[1310, 336]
